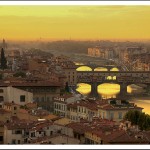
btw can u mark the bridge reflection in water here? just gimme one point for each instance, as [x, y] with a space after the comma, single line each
[108, 90]
[105, 90]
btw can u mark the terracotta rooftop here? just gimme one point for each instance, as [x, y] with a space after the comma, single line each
[38, 126]
[11, 104]
[90, 104]
[115, 107]
[18, 124]
[3, 111]
[132, 138]
[31, 84]
[97, 124]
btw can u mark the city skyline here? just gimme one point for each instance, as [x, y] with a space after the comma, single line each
[75, 22]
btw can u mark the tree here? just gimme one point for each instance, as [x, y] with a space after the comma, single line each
[67, 88]
[138, 118]
[3, 60]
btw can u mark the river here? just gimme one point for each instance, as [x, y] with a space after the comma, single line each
[108, 90]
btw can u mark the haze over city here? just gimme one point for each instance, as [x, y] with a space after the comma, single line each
[75, 22]
[74, 75]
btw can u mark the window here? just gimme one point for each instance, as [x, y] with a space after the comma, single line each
[42, 99]
[1, 90]
[120, 115]
[51, 132]
[1, 138]
[15, 108]
[18, 141]
[13, 141]
[18, 132]
[1, 98]
[37, 99]
[103, 114]
[33, 134]
[47, 99]
[22, 98]
[111, 116]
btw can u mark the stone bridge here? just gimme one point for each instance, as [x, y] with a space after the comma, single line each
[94, 66]
[124, 78]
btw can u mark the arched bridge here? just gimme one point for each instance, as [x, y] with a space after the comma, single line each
[94, 66]
[124, 78]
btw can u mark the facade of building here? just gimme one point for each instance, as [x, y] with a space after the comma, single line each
[115, 110]
[83, 109]
[60, 104]
[18, 96]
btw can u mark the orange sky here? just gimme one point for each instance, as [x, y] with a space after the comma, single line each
[75, 22]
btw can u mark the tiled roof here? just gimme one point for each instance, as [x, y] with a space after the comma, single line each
[35, 84]
[90, 104]
[38, 126]
[113, 107]
[125, 137]
[97, 124]
[3, 111]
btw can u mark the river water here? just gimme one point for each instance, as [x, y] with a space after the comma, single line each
[108, 90]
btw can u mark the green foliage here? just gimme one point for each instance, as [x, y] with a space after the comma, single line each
[67, 88]
[3, 60]
[138, 118]
[20, 74]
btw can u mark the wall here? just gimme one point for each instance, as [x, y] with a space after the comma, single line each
[13, 94]
[8, 136]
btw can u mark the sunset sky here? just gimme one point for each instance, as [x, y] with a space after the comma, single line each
[75, 22]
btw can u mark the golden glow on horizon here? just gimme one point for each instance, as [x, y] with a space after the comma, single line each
[74, 22]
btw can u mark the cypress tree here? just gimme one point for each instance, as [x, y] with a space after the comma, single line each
[67, 88]
[3, 60]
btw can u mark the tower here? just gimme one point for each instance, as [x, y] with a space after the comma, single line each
[4, 45]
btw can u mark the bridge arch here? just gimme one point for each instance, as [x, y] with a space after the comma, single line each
[84, 68]
[83, 88]
[114, 69]
[100, 69]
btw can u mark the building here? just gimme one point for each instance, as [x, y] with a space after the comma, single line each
[18, 96]
[37, 132]
[1, 133]
[96, 52]
[116, 109]
[70, 72]
[84, 130]
[83, 109]
[60, 104]
[43, 92]
[38, 64]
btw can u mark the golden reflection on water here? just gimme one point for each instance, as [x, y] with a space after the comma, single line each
[106, 89]
[100, 69]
